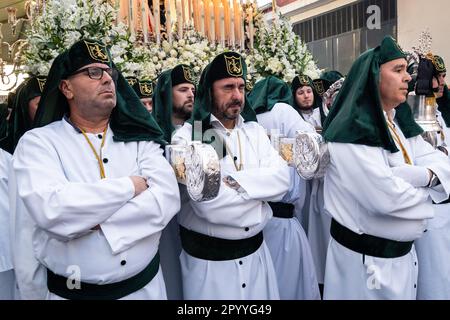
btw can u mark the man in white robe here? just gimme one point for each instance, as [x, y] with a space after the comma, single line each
[380, 183]
[92, 191]
[224, 254]
[175, 87]
[271, 98]
[315, 221]
[433, 249]
[7, 279]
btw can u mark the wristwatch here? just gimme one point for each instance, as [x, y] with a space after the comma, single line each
[434, 181]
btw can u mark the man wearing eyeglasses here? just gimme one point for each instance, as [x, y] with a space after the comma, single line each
[91, 189]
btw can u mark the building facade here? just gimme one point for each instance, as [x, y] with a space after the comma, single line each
[338, 31]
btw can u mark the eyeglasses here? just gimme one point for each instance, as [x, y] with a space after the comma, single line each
[96, 73]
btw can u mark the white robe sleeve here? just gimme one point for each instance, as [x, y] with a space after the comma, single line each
[149, 212]
[5, 248]
[291, 120]
[426, 156]
[64, 209]
[229, 208]
[30, 275]
[268, 181]
[365, 174]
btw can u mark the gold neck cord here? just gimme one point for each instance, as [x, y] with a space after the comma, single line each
[99, 157]
[399, 142]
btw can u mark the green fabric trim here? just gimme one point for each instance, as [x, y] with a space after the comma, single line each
[267, 92]
[406, 122]
[20, 121]
[162, 104]
[357, 116]
[330, 77]
[130, 121]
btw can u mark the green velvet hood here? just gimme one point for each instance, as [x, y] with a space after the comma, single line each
[267, 92]
[130, 121]
[357, 116]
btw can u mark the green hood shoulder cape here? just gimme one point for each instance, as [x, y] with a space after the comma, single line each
[20, 121]
[357, 116]
[267, 92]
[130, 121]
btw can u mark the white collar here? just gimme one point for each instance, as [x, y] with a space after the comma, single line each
[218, 125]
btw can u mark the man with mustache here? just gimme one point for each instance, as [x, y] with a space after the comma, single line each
[90, 187]
[380, 183]
[224, 255]
[176, 88]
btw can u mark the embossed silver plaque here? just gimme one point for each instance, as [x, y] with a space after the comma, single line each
[197, 166]
[311, 155]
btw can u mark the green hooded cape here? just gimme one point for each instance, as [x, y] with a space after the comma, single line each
[130, 121]
[20, 121]
[267, 92]
[357, 116]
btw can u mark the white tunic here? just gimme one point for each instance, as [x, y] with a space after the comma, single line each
[58, 186]
[235, 215]
[6, 266]
[286, 239]
[313, 118]
[433, 249]
[362, 194]
[315, 219]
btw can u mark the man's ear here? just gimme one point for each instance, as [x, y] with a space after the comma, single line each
[66, 89]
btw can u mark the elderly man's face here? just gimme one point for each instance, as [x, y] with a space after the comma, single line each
[183, 100]
[228, 98]
[90, 96]
[393, 83]
[304, 96]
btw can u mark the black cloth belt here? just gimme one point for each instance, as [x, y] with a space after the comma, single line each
[369, 245]
[216, 249]
[282, 210]
[443, 202]
[58, 285]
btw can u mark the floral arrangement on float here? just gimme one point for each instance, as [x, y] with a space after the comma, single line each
[193, 35]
